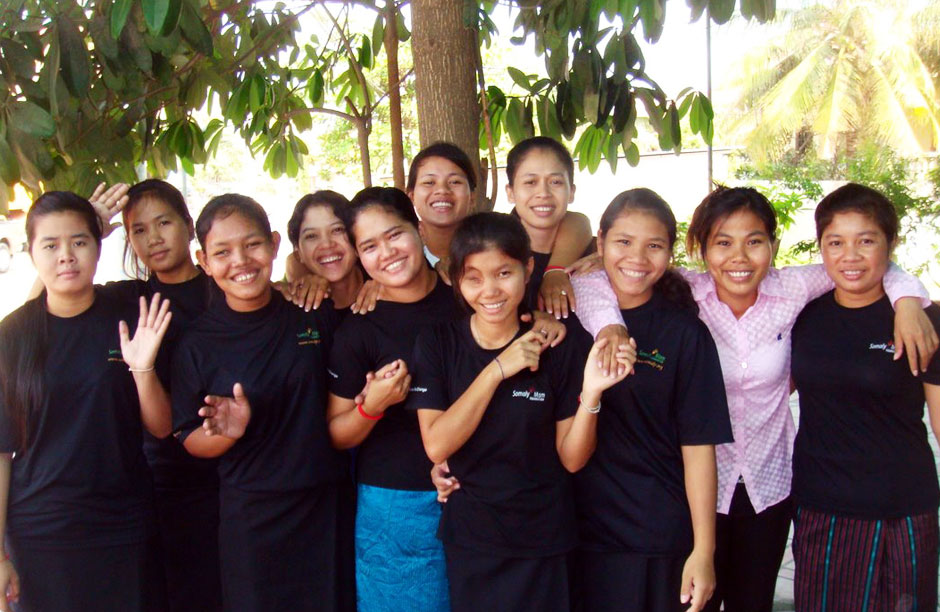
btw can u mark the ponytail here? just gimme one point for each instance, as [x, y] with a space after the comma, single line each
[672, 286]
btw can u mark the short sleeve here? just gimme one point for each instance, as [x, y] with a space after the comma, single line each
[597, 302]
[428, 373]
[702, 407]
[349, 360]
[126, 291]
[567, 368]
[931, 375]
[7, 435]
[187, 392]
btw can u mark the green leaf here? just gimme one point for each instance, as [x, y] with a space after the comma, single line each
[133, 42]
[632, 153]
[365, 54]
[613, 150]
[653, 17]
[102, 39]
[257, 92]
[378, 32]
[514, 120]
[120, 9]
[720, 11]
[195, 31]
[32, 119]
[75, 65]
[402, 29]
[161, 16]
[9, 167]
[520, 78]
[315, 89]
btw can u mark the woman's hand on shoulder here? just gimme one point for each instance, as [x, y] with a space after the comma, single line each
[915, 333]
[586, 265]
[368, 296]
[556, 295]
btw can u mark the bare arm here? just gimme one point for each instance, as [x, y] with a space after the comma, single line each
[9, 580]
[140, 353]
[224, 424]
[701, 486]
[348, 428]
[445, 432]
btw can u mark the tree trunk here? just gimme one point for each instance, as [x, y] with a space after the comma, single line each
[445, 78]
[394, 95]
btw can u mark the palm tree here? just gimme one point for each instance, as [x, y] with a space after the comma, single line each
[840, 74]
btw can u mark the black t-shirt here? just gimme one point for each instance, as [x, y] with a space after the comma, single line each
[171, 465]
[515, 497]
[861, 448]
[392, 456]
[278, 354]
[83, 480]
[631, 495]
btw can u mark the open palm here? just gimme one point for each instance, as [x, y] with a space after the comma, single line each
[140, 352]
[226, 416]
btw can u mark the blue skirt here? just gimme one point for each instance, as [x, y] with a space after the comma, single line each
[400, 565]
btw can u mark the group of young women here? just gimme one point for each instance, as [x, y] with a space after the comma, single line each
[428, 440]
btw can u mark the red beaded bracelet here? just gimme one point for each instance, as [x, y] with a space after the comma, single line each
[367, 415]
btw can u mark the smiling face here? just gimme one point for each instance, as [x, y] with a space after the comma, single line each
[323, 244]
[856, 254]
[541, 189]
[389, 247]
[738, 255]
[159, 236]
[493, 285]
[636, 252]
[65, 254]
[442, 193]
[239, 256]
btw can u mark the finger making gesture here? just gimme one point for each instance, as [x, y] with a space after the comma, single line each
[226, 416]
[522, 353]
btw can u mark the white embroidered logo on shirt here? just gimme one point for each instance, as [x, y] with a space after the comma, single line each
[531, 394]
[887, 347]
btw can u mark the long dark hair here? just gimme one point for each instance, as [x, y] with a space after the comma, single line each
[25, 336]
[159, 190]
[670, 285]
[484, 231]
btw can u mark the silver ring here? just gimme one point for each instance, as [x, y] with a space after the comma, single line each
[563, 292]
[543, 331]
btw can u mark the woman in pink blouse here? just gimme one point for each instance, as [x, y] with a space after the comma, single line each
[750, 308]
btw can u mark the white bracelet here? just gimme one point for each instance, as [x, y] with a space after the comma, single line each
[590, 409]
[150, 369]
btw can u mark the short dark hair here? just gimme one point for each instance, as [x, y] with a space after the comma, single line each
[223, 206]
[721, 204]
[519, 152]
[336, 202]
[160, 190]
[58, 202]
[389, 199]
[448, 151]
[483, 231]
[861, 199]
